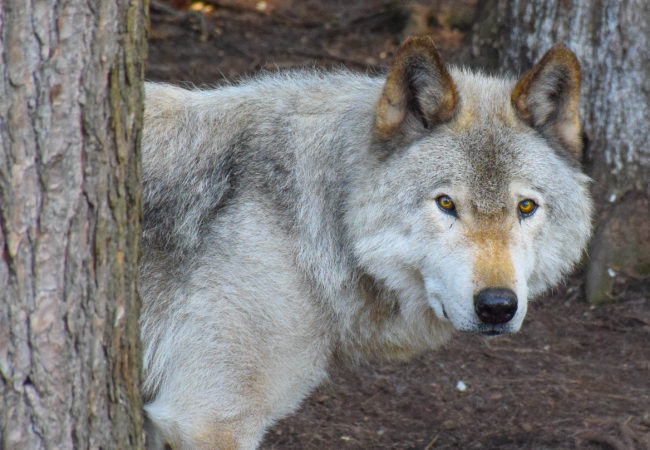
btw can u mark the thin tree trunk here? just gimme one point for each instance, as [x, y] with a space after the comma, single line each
[611, 39]
[70, 117]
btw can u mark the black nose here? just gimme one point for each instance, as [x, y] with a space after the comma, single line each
[495, 305]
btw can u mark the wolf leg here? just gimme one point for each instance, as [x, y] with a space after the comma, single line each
[164, 431]
[223, 381]
[232, 413]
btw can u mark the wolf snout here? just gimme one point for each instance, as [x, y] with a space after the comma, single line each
[495, 305]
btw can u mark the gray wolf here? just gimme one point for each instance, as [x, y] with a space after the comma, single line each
[303, 218]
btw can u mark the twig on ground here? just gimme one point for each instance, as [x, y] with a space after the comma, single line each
[432, 443]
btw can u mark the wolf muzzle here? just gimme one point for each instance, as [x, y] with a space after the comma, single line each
[495, 306]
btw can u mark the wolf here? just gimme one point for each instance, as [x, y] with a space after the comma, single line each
[304, 218]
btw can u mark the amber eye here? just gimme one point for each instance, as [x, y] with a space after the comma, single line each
[446, 204]
[527, 207]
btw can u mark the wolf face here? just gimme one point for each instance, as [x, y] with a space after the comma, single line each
[481, 199]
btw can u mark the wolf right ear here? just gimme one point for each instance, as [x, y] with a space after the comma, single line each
[418, 89]
[547, 98]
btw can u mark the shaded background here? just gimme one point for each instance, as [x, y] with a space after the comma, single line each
[577, 376]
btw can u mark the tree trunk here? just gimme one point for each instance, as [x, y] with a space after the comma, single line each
[70, 117]
[611, 39]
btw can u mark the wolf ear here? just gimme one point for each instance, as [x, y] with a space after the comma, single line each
[547, 98]
[418, 87]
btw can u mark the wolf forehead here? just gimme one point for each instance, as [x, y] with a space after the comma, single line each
[485, 146]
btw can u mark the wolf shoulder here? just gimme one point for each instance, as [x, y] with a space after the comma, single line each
[295, 115]
[201, 147]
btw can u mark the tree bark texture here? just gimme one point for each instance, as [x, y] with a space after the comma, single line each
[611, 39]
[71, 75]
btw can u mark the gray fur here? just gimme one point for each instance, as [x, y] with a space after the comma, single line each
[280, 235]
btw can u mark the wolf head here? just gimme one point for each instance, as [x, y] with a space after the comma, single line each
[476, 201]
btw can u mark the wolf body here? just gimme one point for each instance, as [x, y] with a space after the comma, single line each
[302, 218]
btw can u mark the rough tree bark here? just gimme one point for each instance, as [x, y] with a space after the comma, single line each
[70, 116]
[611, 39]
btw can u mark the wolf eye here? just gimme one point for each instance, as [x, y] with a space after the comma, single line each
[446, 204]
[527, 208]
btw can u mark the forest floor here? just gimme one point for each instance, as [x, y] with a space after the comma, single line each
[574, 377]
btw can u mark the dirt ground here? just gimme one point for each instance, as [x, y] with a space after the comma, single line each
[574, 377]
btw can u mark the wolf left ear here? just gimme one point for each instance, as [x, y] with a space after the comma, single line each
[418, 89]
[547, 98]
